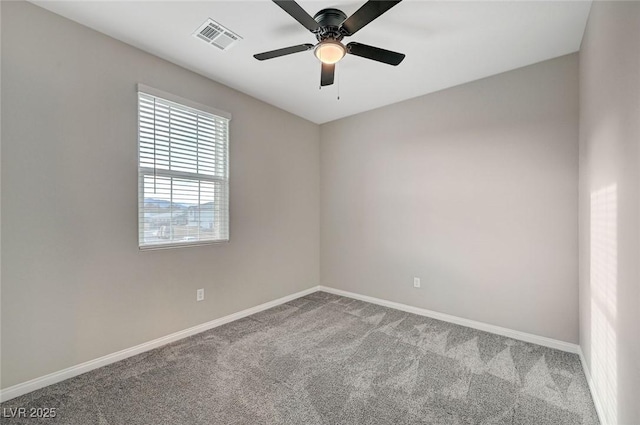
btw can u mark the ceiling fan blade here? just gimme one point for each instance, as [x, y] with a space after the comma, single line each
[298, 13]
[375, 53]
[282, 52]
[367, 13]
[328, 71]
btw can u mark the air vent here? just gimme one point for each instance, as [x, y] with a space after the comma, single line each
[217, 35]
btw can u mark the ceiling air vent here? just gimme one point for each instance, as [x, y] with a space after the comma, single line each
[214, 33]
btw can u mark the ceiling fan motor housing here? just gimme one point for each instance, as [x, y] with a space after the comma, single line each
[329, 21]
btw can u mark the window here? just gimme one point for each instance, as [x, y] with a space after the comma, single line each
[183, 171]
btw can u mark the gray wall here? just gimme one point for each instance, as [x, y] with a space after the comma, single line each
[473, 189]
[74, 284]
[610, 224]
[0, 196]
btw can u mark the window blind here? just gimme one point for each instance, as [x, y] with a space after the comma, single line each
[183, 165]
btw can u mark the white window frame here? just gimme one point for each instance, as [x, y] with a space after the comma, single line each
[142, 171]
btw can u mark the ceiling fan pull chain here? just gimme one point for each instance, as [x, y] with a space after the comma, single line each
[320, 57]
[338, 72]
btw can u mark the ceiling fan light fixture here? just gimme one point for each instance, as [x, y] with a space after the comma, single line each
[330, 51]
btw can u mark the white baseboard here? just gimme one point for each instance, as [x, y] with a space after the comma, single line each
[55, 377]
[597, 401]
[510, 333]
[70, 372]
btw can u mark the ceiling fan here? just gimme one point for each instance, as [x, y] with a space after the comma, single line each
[330, 26]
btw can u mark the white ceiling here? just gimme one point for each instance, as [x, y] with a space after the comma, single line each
[446, 43]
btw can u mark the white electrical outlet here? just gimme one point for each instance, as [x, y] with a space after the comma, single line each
[200, 294]
[416, 282]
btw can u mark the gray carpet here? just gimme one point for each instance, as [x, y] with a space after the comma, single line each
[325, 359]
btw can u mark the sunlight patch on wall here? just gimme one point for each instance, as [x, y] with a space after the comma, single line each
[604, 279]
